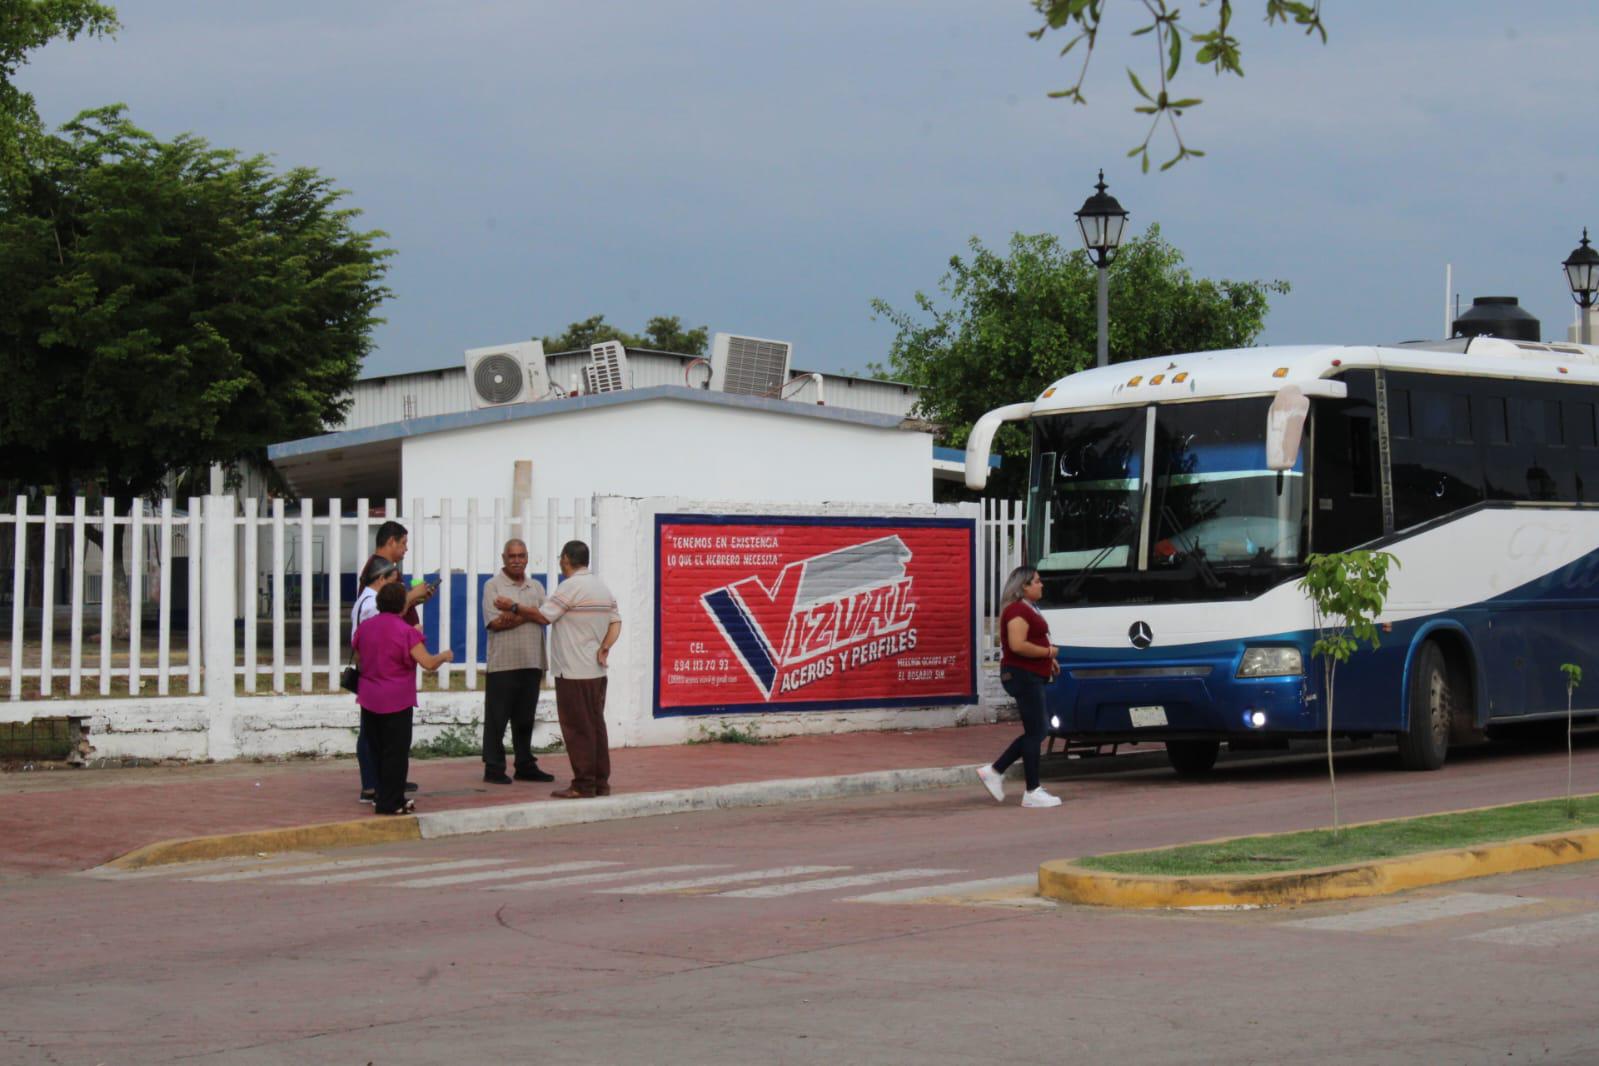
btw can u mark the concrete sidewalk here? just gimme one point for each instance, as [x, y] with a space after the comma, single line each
[78, 819]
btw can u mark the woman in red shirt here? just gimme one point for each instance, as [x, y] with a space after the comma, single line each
[1026, 665]
[390, 652]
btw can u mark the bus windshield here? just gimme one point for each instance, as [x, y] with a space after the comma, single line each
[1219, 523]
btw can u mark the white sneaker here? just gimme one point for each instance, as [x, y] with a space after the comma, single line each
[1037, 797]
[992, 780]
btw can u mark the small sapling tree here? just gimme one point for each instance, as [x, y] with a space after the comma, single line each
[1347, 591]
[1573, 674]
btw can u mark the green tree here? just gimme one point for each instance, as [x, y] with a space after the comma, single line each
[26, 26]
[1020, 321]
[1347, 591]
[663, 333]
[1214, 46]
[167, 305]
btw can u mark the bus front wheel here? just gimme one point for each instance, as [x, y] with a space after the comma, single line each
[1192, 758]
[1425, 741]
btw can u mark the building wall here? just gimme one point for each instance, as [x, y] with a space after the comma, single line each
[669, 447]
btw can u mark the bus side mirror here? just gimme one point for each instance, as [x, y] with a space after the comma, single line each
[1285, 424]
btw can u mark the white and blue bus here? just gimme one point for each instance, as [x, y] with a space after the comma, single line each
[1172, 503]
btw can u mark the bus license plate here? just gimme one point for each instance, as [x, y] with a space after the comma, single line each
[1147, 716]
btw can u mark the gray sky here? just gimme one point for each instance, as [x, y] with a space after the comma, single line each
[768, 169]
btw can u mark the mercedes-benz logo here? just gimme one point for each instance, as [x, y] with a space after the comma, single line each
[1141, 635]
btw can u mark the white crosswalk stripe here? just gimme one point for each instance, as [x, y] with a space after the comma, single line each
[501, 875]
[827, 884]
[722, 879]
[297, 868]
[959, 888]
[1546, 934]
[592, 879]
[397, 871]
[1411, 912]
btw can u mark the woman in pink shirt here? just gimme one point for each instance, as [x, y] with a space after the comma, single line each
[390, 652]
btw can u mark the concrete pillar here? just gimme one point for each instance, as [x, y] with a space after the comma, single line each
[218, 609]
[621, 545]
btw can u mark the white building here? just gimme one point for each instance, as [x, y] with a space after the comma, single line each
[664, 440]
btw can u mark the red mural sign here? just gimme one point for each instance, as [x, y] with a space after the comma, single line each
[812, 613]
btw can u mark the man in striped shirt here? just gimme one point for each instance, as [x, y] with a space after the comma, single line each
[584, 626]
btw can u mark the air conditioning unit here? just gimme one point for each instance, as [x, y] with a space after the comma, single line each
[507, 373]
[607, 369]
[752, 366]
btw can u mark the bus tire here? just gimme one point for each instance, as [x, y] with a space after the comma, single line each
[1425, 741]
[1192, 758]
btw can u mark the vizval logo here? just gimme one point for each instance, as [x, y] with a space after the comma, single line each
[821, 617]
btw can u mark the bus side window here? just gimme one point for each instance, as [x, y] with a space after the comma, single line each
[1346, 510]
[1362, 457]
[1437, 465]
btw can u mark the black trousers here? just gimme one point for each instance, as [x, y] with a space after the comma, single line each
[1027, 689]
[511, 696]
[390, 738]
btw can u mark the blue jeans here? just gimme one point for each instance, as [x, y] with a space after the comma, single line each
[1027, 689]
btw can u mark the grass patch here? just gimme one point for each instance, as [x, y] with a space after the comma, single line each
[1355, 844]
[728, 734]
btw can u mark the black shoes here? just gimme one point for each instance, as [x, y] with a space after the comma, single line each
[534, 774]
[496, 777]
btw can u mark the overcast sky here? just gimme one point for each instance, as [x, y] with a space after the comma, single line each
[768, 169]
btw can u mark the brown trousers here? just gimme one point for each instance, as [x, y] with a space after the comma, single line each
[580, 705]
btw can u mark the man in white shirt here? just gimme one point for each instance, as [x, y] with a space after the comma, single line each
[584, 625]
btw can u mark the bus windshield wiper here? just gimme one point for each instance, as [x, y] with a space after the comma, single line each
[1207, 573]
[1115, 542]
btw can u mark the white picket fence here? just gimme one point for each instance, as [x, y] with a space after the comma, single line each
[249, 575]
[267, 580]
[1000, 534]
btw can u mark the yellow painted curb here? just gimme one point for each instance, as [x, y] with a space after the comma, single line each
[1063, 880]
[388, 830]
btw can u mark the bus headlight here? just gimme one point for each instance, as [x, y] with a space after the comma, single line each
[1271, 662]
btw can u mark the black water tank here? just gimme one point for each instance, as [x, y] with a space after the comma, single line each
[1498, 316]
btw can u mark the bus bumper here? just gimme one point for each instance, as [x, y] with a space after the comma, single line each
[1115, 701]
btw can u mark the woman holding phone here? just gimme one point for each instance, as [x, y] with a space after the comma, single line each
[1027, 664]
[390, 652]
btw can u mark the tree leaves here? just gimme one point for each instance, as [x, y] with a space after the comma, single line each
[1215, 47]
[663, 333]
[1010, 324]
[170, 305]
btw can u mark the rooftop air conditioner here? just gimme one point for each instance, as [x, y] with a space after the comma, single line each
[607, 369]
[507, 373]
[749, 365]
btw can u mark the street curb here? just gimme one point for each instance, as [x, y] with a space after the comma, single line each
[544, 814]
[1063, 880]
[387, 830]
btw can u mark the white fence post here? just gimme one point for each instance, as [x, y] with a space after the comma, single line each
[47, 614]
[163, 628]
[252, 588]
[18, 595]
[108, 551]
[79, 538]
[221, 566]
[196, 557]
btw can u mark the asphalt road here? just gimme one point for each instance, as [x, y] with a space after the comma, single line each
[893, 929]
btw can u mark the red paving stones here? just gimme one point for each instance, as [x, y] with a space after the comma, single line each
[77, 819]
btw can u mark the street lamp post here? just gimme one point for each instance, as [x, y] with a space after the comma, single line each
[1101, 220]
[1582, 274]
